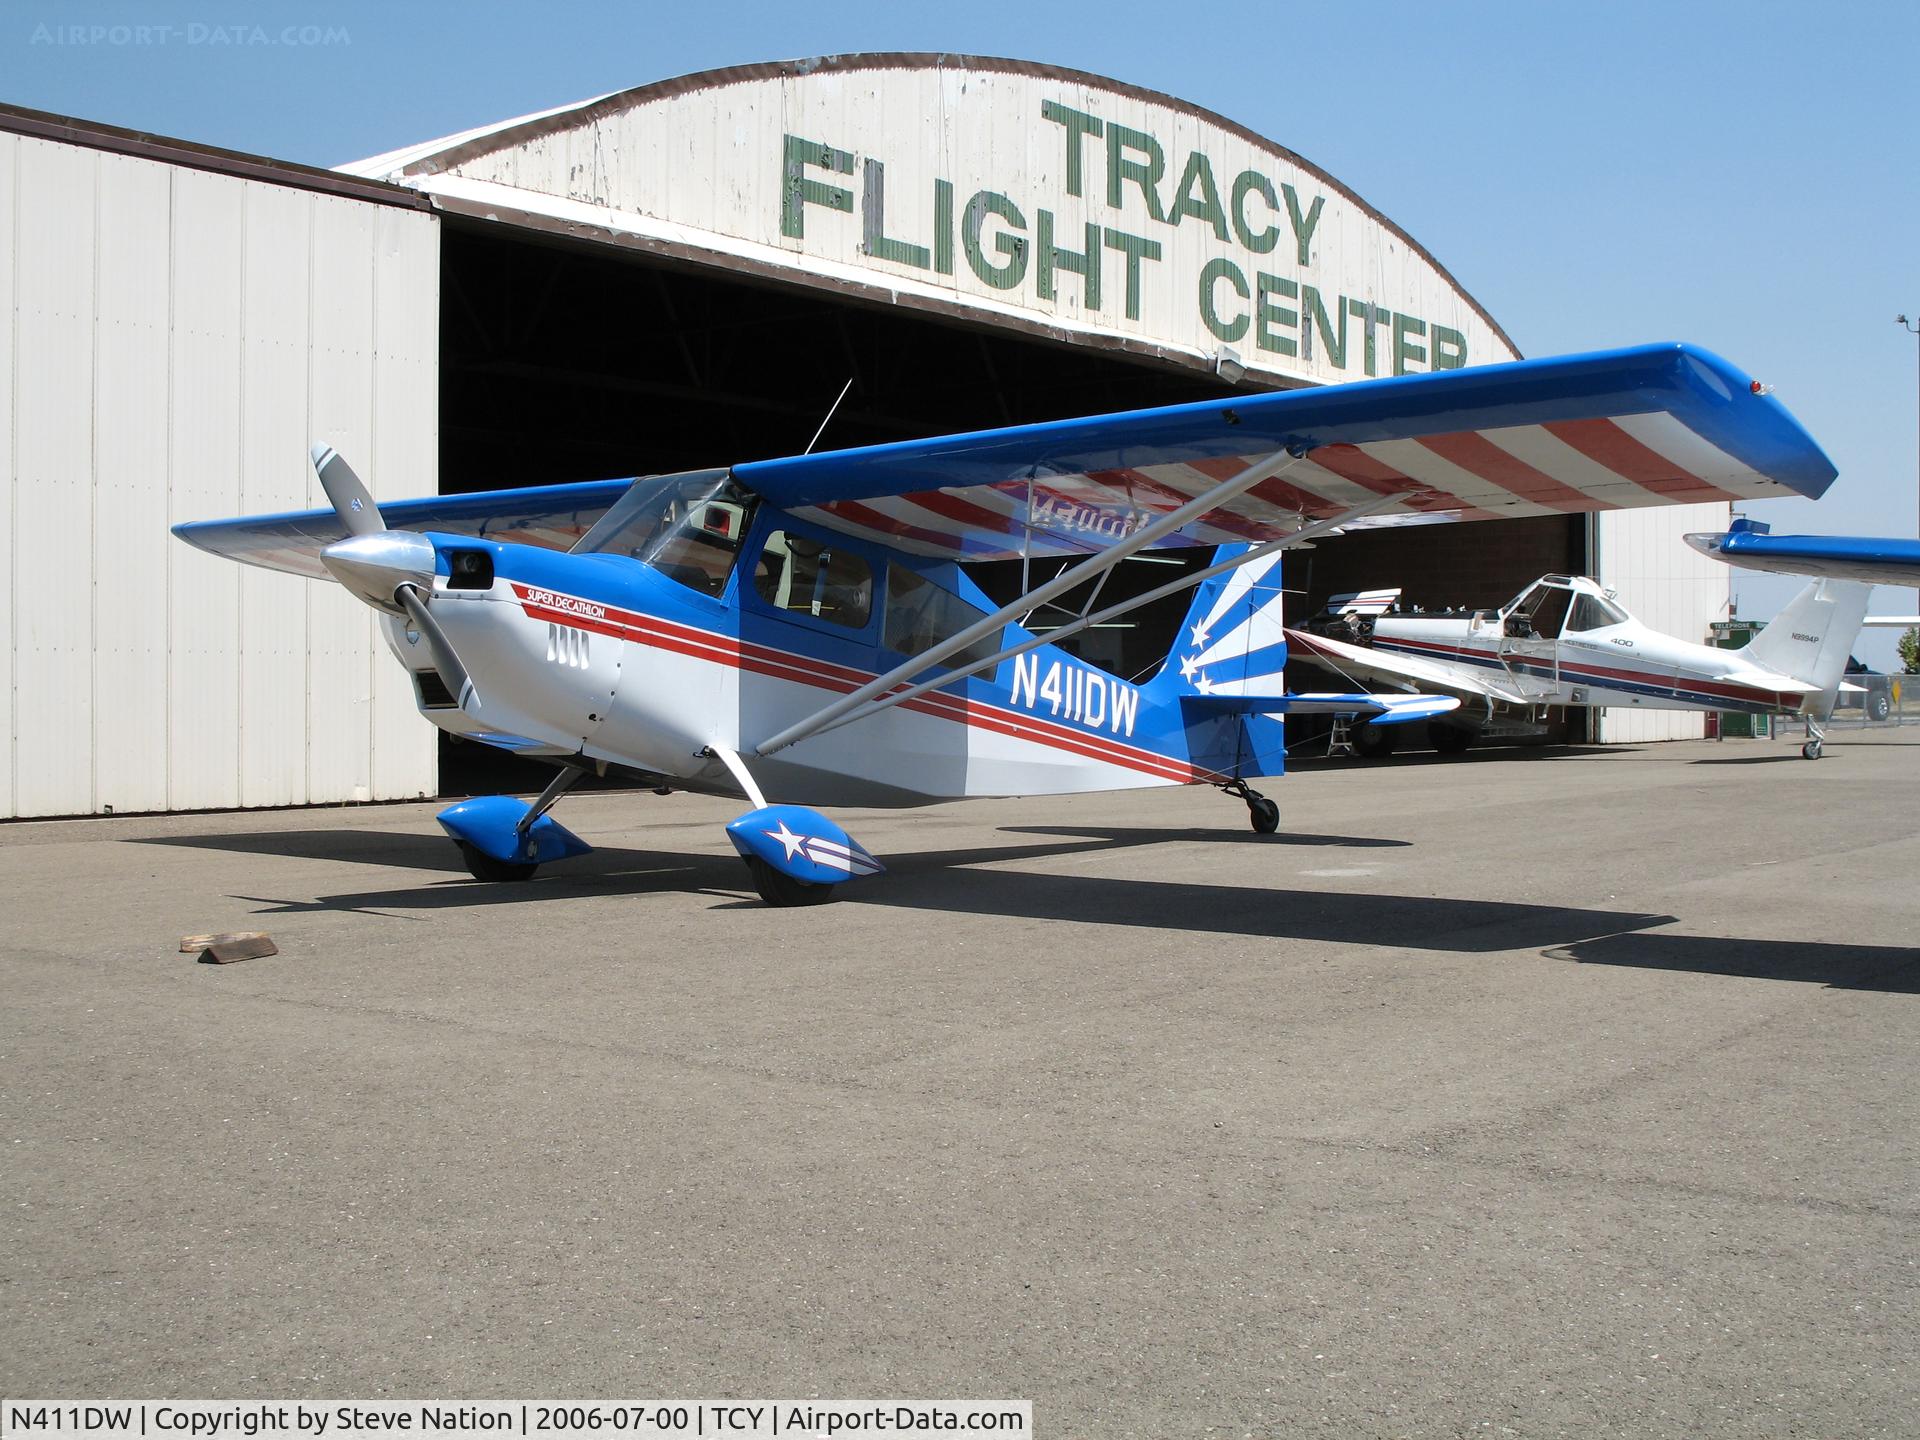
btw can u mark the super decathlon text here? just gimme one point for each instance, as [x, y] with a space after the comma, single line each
[1072, 693]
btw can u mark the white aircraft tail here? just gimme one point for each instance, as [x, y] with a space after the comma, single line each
[1811, 638]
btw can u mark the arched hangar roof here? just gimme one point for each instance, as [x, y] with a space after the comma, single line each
[1002, 192]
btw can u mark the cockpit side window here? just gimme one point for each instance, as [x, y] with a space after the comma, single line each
[799, 574]
[1590, 612]
[1537, 613]
[920, 615]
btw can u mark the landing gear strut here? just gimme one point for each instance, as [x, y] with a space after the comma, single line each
[1815, 737]
[1262, 813]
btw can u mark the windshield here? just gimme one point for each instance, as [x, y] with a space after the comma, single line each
[688, 527]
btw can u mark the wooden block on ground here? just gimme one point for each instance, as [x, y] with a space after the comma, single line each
[226, 949]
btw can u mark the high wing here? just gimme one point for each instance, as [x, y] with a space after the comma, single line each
[551, 515]
[1407, 672]
[1654, 425]
[1875, 559]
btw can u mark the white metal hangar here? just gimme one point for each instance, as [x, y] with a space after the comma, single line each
[679, 275]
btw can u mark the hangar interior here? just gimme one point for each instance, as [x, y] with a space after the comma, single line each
[563, 359]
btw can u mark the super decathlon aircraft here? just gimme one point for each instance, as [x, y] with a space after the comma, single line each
[801, 627]
[1565, 641]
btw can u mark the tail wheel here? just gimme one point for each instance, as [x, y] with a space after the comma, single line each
[1810, 750]
[1264, 815]
[784, 890]
[1373, 742]
[483, 866]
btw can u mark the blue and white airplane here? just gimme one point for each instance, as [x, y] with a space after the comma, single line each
[803, 629]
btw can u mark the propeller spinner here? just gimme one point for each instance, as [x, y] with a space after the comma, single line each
[392, 570]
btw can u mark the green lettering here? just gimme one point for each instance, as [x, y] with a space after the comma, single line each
[1266, 313]
[1014, 247]
[1085, 264]
[1145, 173]
[1317, 320]
[1303, 227]
[873, 222]
[1449, 348]
[1204, 206]
[1226, 330]
[943, 226]
[798, 191]
[1136, 248]
[1369, 315]
[1403, 348]
[1079, 125]
[1250, 182]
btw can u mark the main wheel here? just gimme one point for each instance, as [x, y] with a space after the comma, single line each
[1448, 739]
[1264, 814]
[483, 866]
[1810, 750]
[1878, 707]
[778, 889]
[1373, 742]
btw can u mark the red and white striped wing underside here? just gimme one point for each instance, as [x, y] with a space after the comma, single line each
[1553, 468]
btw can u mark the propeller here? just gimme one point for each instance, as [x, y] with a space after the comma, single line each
[452, 672]
[345, 493]
[385, 571]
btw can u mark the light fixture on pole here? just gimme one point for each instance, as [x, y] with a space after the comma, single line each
[1913, 328]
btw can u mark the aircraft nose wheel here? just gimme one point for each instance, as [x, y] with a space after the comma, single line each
[783, 890]
[483, 866]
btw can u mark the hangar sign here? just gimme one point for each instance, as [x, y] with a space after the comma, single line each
[1011, 194]
[1278, 311]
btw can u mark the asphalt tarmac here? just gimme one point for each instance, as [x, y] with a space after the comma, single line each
[1556, 1093]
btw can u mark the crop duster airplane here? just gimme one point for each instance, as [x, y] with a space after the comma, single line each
[1566, 641]
[803, 629]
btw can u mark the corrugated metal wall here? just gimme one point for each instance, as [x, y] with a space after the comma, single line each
[171, 340]
[1668, 585]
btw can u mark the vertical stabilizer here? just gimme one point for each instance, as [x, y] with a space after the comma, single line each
[1811, 638]
[1233, 641]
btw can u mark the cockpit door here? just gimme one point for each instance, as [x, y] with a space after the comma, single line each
[1530, 634]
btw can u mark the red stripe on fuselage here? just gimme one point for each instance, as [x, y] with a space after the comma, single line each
[1729, 689]
[716, 648]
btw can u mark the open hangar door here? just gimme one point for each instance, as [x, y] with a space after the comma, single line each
[1459, 567]
[564, 360]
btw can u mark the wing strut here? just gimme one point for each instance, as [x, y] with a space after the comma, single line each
[1172, 587]
[1060, 584]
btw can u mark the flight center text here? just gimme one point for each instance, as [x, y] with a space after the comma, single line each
[1273, 305]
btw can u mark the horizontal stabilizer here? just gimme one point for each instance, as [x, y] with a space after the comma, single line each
[1380, 709]
[1362, 602]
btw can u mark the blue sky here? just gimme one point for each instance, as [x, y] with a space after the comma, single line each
[1739, 175]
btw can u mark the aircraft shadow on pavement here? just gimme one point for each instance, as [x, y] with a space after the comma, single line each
[1891, 969]
[355, 847]
[945, 880]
